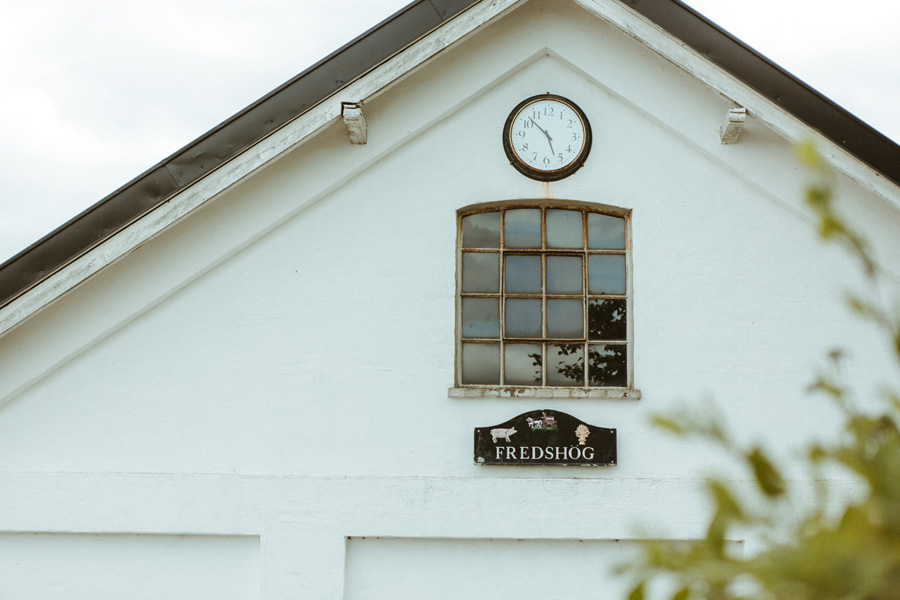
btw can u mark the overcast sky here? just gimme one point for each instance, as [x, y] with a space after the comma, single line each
[94, 92]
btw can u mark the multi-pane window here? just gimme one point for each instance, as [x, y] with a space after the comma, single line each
[543, 298]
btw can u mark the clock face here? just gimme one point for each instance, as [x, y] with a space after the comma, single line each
[547, 137]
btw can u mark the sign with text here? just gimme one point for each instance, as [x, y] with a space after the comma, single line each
[545, 437]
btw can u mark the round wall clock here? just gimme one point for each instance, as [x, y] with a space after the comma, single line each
[547, 137]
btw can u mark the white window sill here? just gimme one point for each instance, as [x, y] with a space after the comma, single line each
[543, 392]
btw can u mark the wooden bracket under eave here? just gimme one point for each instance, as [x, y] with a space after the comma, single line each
[355, 121]
[734, 125]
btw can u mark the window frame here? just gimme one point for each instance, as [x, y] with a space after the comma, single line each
[628, 391]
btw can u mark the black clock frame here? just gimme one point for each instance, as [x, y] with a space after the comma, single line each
[538, 174]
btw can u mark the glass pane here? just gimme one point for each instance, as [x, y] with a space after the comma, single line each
[606, 273]
[481, 317]
[565, 318]
[481, 272]
[523, 274]
[606, 319]
[565, 364]
[481, 363]
[522, 228]
[606, 232]
[523, 318]
[522, 364]
[481, 230]
[564, 275]
[564, 229]
[608, 365]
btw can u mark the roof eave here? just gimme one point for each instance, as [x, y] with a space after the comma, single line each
[203, 155]
[182, 170]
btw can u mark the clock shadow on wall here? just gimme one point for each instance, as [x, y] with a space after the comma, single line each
[547, 137]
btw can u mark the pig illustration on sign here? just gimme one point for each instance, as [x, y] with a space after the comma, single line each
[502, 433]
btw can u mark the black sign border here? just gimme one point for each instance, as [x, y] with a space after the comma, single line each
[558, 433]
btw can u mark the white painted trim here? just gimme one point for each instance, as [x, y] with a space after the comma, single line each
[355, 122]
[370, 84]
[780, 120]
[733, 125]
[269, 149]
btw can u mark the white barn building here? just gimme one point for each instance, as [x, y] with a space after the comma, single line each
[256, 370]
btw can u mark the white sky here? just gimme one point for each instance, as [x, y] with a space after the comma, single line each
[94, 92]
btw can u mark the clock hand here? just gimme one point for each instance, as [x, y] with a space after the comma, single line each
[544, 131]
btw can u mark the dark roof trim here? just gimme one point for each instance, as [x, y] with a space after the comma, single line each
[152, 188]
[776, 84]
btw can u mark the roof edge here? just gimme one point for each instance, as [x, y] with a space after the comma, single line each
[150, 189]
[774, 83]
[153, 188]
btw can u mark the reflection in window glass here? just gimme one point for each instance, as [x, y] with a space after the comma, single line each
[523, 274]
[543, 298]
[565, 318]
[481, 364]
[480, 318]
[565, 275]
[606, 232]
[481, 272]
[564, 229]
[481, 230]
[606, 319]
[565, 364]
[522, 228]
[606, 273]
[522, 364]
[523, 318]
[607, 365]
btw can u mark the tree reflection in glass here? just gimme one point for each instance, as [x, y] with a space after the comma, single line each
[522, 364]
[606, 319]
[565, 365]
[608, 365]
[543, 297]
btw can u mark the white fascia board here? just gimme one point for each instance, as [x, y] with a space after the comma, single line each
[786, 124]
[265, 151]
[369, 84]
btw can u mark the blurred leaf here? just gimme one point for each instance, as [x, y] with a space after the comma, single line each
[823, 384]
[681, 594]
[637, 593]
[816, 453]
[726, 503]
[809, 155]
[868, 310]
[693, 423]
[845, 542]
[668, 424]
[767, 476]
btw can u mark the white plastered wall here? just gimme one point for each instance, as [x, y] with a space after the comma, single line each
[277, 364]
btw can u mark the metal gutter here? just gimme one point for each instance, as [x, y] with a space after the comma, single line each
[152, 188]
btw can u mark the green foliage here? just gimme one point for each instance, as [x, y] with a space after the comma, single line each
[838, 549]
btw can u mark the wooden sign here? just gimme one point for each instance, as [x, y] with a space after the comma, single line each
[545, 437]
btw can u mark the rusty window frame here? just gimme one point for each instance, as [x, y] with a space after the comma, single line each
[626, 391]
